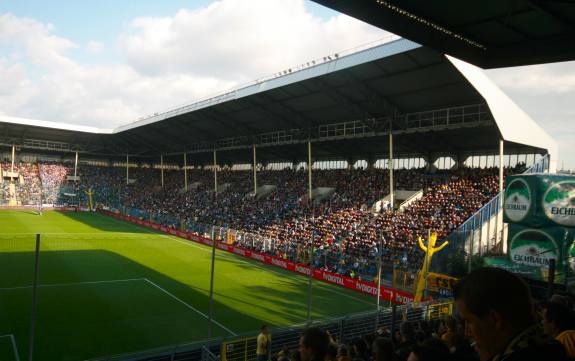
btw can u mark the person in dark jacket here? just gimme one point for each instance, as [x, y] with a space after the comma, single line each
[497, 308]
[313, 344]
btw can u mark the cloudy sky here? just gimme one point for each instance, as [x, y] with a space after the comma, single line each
[108, 62]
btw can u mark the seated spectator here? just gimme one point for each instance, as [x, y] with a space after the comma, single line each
[498, 312]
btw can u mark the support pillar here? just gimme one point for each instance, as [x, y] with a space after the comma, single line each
[499, 220]
[255, 169]
[215, 174]
[13, 159]
[309, 171]
[162, 169]
[76, 169]
[500, 165]
[392, 200]
[185, 172]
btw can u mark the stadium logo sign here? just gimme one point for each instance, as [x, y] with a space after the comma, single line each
[239, 251]
[533, 247]
[301, 269]
[401, 299]
[279, 263]
[366, 288]
[517, 200]
[333, 279]
[559, 203]
[258, 257]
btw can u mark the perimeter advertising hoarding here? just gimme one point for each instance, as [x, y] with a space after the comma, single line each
[540, 200]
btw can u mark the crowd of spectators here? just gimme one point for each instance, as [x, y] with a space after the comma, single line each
[495, 319]
[348, 234]
[28, 188]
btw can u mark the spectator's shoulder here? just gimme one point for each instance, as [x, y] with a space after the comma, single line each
[552, 350]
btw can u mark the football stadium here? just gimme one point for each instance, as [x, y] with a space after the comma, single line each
[358, 194]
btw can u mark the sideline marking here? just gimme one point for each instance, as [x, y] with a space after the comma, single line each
[72, 284]
[14, 348]
[189, 306]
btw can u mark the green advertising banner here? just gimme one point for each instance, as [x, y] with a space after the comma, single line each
[540, 200]
[537, 246]
[535, 273]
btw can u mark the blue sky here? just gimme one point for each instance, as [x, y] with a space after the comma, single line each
[105, 62]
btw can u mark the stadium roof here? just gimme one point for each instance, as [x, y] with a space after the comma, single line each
[345, 104]
[489, 34]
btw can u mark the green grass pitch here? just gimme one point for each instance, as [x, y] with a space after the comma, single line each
[109, 287]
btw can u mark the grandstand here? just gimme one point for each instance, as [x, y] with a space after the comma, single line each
[303, 170]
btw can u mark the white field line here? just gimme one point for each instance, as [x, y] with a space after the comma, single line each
[72, 284]
[191, 244]
[14, 348]
[114, 281]
[190, 307]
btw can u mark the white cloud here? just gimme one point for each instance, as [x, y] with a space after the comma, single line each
[554, 78]
[168, 61]
[94, 47]
[239, 39]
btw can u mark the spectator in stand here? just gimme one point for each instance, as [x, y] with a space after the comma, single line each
[497, 309]
[343, 353]
[450, 327]
[430, 350]
[382, 350]
[407, 333]
[313, 344]
[264, 341]
[559, 322]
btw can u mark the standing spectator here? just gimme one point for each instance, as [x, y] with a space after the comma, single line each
[264, 342]
[407, 340]
[313, 344]
[382, 350]
[498, 312]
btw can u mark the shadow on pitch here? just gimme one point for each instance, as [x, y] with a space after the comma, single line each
[96, 303]
[101, 222]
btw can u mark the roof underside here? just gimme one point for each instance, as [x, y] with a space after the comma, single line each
[489, 34]
[418, 94]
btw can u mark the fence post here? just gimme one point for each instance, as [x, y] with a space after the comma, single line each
[393, 319]
[34, 299]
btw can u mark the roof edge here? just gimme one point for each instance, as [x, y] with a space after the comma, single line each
[514, 124]
[54, 125]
